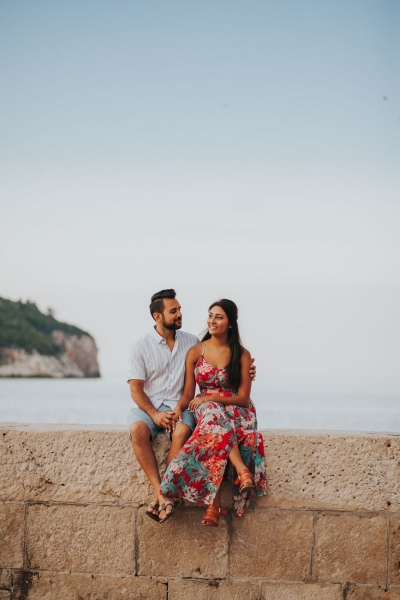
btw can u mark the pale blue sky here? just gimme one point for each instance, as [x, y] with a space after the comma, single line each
[239, 149]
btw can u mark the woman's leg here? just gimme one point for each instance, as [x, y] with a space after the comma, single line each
[245, 477]
[211, 518]
[217, 499]
[236, 459]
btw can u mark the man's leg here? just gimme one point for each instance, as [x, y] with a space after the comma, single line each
[179, 437]
[143, 449]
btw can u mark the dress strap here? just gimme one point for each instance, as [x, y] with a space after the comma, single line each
[204, 350]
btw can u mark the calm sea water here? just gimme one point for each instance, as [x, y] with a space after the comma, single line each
[279, 405]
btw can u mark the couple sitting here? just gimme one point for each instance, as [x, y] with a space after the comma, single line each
[207, 430]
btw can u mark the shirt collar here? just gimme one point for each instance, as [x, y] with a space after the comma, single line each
[159, 338]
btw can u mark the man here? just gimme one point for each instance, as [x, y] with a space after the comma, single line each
[156, 378]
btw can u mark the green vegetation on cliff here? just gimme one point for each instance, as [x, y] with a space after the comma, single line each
[23, 326]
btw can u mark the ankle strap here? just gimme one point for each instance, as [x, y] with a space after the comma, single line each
[217, 509]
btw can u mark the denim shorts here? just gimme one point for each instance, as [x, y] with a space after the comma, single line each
[137, 414]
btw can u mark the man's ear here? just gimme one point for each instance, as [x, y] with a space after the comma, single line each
[157, 316]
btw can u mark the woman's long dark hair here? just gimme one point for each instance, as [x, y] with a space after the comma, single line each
[235, 343]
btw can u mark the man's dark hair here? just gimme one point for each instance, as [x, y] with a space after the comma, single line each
[157, 300]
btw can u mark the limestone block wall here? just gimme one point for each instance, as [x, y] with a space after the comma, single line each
[72, 523]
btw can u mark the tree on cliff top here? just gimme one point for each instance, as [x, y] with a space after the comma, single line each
[23, 326]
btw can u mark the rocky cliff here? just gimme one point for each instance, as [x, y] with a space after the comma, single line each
[36, 345]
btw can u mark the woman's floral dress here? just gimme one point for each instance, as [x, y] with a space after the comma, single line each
[196, 472]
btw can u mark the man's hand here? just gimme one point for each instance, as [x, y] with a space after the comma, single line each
[164, 419]
[253, 370]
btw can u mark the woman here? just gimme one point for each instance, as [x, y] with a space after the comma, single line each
[226, 422]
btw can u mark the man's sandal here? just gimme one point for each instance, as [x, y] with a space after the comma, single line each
[153, 506]
[245, 478]
[211, 518]
[169, 514]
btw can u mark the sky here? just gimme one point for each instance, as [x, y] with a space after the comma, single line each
[247, 150]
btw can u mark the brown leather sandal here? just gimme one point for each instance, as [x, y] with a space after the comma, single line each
[164, 507]
[152, 511]
[211, 518]
[245, 478]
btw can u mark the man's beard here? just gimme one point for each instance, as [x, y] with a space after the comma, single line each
[172, 326]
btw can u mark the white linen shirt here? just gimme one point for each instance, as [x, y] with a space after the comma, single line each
[162, 370]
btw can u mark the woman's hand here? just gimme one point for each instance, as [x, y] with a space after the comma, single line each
[176, 417]
[195, 403]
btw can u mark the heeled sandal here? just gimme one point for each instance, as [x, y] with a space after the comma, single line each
[245, 478]
[211, 518]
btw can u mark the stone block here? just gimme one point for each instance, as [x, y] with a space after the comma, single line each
[11, 534]
[301, 591]
[394, 550]
[181, 547]
[65, 586]
[71, 463]
[5, 578]
[351, 548]
[197, 589]
[272, 544]
[372, 593]
[5, 595]
[95, 463]
[83, 539]
[332, 470]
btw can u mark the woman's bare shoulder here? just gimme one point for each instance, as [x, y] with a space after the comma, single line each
[195, 351]
[246, 355]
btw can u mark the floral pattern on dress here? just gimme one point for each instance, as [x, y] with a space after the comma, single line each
[196, 472]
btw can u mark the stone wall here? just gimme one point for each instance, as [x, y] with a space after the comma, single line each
[72, 523]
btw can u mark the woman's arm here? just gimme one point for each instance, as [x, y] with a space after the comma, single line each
[243, 395]
[190, 382]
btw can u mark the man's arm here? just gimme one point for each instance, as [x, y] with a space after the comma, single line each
[160, 418]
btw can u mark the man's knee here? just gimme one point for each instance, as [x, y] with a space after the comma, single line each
[140, 433]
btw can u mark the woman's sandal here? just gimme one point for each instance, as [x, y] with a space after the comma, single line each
[211, 518]
[153, 506]
[245, 478]
[163, 507]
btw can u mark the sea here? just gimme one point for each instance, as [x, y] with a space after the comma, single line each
[280, 404]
